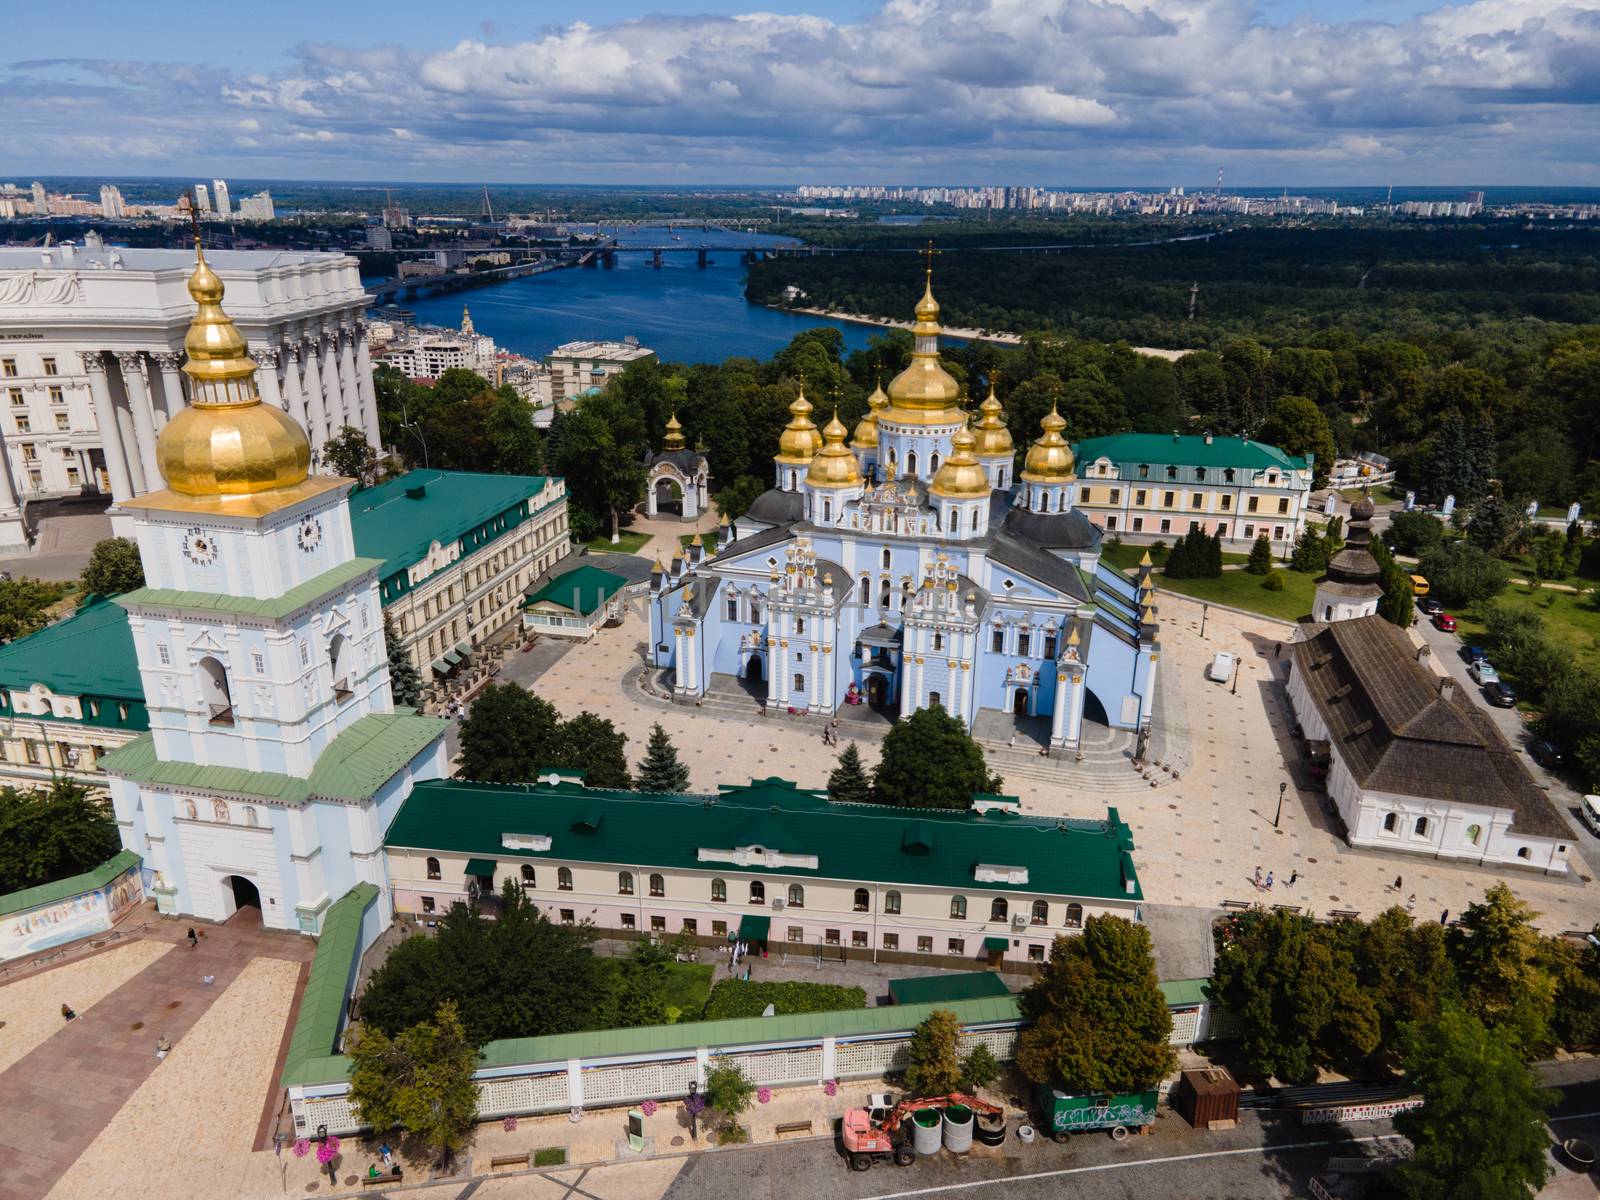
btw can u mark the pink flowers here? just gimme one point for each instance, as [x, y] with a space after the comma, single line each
[648, 1108]
[764, 1095]
[509, 1124]
[302, 1147]
[328, 1150]
[831, 1088]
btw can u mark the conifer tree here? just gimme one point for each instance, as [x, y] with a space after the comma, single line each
[849, 783]
[1214, 556]
[405, 681]
[661, 771]
[1260, 556]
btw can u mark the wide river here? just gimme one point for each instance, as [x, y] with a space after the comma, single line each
[683, 312]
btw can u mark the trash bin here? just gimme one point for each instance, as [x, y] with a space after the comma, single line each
[958, 1129]
[925, 1131]
[1025, 1134]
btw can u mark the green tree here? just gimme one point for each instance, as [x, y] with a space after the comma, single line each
[405, 681]
[1496, 952]
[849, 782]
[1404, 968]
[1459, 573]
[1414, 533]
[419, 1081]
[1398, 603]
[508, 734]
[349, 453]
[734, 500]
[52, 834]
[114, 567]
[1297, 426]
[934, 1066]
[728, 1090]
[1260, 556]
[595, 746]
[1575, 967]
[1099, 1020]
[661, 771]
[1549, 557]
[1497, 527]
[979, 1069]
[1480, 1132]
[25, 606]
[1310, 552]
[929, 760]
[604, 474]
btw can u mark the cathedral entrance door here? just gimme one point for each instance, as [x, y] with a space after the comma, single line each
[242, 894]
[669, 497]
[1019, 702]
[877, 691]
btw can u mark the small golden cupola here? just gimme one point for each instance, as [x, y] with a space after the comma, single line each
[961, 476]
[991, 438]
[674, 439]
[799, 441]
[835, 465]
[866, 435]
[1049, 458]
[226, 442]
[924, 393]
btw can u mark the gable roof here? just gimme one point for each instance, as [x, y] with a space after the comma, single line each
[1188, 450]
[1397, 730]
[934, 847]
[582, 590]
[72, 885]
[88, 654]
[391, 522]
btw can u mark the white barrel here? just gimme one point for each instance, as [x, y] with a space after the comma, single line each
[925, 1138]
[958, 1129]
[1025, 1133]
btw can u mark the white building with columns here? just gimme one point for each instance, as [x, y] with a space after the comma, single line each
[91, 345]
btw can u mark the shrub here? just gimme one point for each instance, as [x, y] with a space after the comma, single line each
[736, 998]
[1274, 581]
[979, 1069]
[1260, 556]
[934, 1068]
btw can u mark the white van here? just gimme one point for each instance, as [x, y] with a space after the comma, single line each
[1590, 807]
[1221, 668]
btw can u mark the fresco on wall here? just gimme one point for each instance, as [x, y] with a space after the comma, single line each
[62, 921]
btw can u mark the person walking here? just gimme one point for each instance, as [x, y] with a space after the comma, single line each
[387, 1154]
[194, 938]
[1269, 881]
[1397, 883]
[1293, 876]
[67, 1014]
[1258, 879]
[1411, 902]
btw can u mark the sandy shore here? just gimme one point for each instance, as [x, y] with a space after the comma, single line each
[960, 333]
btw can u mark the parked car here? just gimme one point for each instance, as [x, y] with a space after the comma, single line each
[1221, 668]
[1444, 622]
[1419, 586]
[1589, 806]
[1474, 654]
[1500, 694]
[1547, 754]
[1429, 606]
[1483, 671]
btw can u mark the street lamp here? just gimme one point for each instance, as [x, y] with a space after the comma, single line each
[1282, 788]
[1205, 610]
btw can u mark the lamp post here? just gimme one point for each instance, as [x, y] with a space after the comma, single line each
[1205, 611]
[1282, 788]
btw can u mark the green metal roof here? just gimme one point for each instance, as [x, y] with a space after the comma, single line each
[1186, 991]
[391, 523]
[850, 841]
[273, 608]
[353, 767]
[582, 590]
[754, 927]
[1186, 450]
[89, 653]
[316, 1028]
[959, 985]
[481, 868]
[61, 889]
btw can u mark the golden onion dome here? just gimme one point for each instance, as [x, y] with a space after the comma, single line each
[866, 434]
[674, 439]
[835, 465]
[992, 438]
[925, 393]
[799, 441]
[227, 442]
[961, 476]
[1049, 458]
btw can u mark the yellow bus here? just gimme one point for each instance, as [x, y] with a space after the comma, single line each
[1419, 586]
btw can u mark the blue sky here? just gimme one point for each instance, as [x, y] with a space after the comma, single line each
[635, 91]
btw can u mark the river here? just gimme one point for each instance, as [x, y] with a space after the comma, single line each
[683, 312]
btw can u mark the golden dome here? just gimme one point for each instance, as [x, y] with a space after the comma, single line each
[835, 465]
[960, 476]
[800, 440]
[991, 436]
[674, 439]
[227, 442]
[1049, 458]
[925, 393]
[866, 434]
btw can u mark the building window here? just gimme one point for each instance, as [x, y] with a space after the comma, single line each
[1166, 525]
[49, 366]
[1227, 474]
[1116, 495]
[691, 926]
[1111, 522]
[1421, 827]
[998, 641]
[1390, 821]
[1035, 953]
[1144, 471]
[1524, 852]
[719, 890]
[564, 879]
[934, 700]
[9, 367]
[1074, 916]
[796, 933]
[250, 817]
[758, 892]
[1277, 533]
[719, 929]
[17, 398]
[658, 924]
[1168, 499]
[891, 941]
[658, 886]
[886, 559]
[1227, 501]
[627, 921]
[1022, 643]
[24, 425]
[958, 908]
[163, 654]
[1138, 524]
[427, 904]
[624, 883]
[999, 909]
[1474, 832]
[1251, 502]
[1050, 646]
[733, 608]
[1197, 501]
[1041, 912]
[433, 869]
[862, 901]
[259, 663]
[1172, 472]
[797, 896]
[956, 946]
[891, 903]
[1283, 506]
[799, 682]
[924, 945]
[528, 880]
[938, 640]
[830, 936]
[57, 397]
[858, 938]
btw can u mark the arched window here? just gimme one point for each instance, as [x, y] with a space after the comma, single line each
[938, 640]
[1227, 474]
[797, 896]
[564, 879]
[911, 462]
[862, 900]
[433, 868]
[958, 908]
[827, 510]
[999, 909]
[758, 892]
[1524, 852]
[799, 624]
[1002, 478]
[339, 658]
[219, 810]
[1074, 916]
[250, 817]
[1390, 820]
[624, 883]
[883, 593]
[1421, 827]
[933, 700]
[1474, 832]
[885, 558]
[1200, 474]
[658, 886]
[891, 903]
[527, 875]
[1041, 912]
[1172, 472]
[719, 890]
[214, 691]
[933, 463]
[975, 520]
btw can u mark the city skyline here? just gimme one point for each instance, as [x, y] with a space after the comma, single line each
[1146, 95]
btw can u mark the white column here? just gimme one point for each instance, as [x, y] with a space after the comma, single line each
[369, 396]
[267, 377]
[347, 380]
[105, 415]
[144, 423]
[908, 681]
[293, 389]
[316, 403]
[171, 382]
[1058, 718]
[330, 389]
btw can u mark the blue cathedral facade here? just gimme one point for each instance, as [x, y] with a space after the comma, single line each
[912, 565]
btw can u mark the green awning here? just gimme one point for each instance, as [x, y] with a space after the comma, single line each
[480, 868]
[463, 649]
[753, 928]
[440, 667]
[452, 657]
[997, 943]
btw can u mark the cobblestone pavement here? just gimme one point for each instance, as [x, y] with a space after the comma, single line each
[31, 1006]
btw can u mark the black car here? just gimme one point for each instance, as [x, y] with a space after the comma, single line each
[1500, 695]
[1428, 606]
[1547, 754]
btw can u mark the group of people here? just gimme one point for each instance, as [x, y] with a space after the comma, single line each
[1264, 883]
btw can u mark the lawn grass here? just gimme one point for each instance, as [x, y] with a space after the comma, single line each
[708, 539]
[1240, 589]
[1382, 494]
[1571, 620]
[688, 985]
[1125, 556]
[628, 542]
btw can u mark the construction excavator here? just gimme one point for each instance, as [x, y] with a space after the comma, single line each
[873, 1135]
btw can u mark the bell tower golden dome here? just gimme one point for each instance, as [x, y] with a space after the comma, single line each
[991, 438]
[1049, 458]
[835, 465]
[866, 435]
[227, 442]
[960, 476]
[799, 441]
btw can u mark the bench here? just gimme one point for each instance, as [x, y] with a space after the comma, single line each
[1289, 908]
[1351, 913]
[508, 1160]
[380, 1181]
[1238, 905]
[792, 1129]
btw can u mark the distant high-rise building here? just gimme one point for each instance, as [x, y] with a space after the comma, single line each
[256, 208]
[219, 190]
[379, 238]
[41, 201]
[202, 198]
[111, 205]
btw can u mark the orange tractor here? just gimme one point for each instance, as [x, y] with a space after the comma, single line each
[874, 1135]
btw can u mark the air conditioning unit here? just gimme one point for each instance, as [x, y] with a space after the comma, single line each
[1019, 921]
[779, 904]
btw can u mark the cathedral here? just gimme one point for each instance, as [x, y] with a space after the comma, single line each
[908, 564]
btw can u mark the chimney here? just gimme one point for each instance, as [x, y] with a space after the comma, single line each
[1423, 653]
[1447, 689]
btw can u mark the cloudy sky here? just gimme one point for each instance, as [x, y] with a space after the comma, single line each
[1054, 92]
